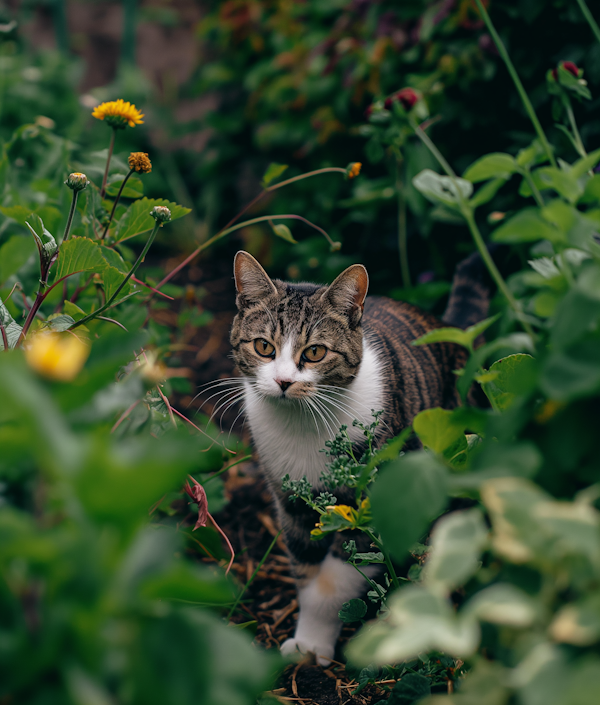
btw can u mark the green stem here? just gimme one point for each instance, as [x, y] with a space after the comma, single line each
[534, 189]
[402, 234]
[132, 271]
[115, 204]
[386, 558]
[467, 213]
[576, 136]
[258, 567]
[588, 16]
[108, 158]
[493, 270]
[71, 214]
[225, 469]
[517, 81]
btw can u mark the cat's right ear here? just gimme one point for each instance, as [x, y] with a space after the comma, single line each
[252, 283]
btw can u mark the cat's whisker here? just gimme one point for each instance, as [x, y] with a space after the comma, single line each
[222, 392]
[232, 381]
[226, 409]
[305, 405]
[242, 410]
[231, 397]
[319, 414]
[351, 408]
[324, 411]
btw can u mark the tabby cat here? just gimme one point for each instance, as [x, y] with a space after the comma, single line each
[316, 357]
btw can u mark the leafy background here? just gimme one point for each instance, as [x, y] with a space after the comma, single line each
[90, 588]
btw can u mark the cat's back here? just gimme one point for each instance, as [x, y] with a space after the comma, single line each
[417, 377]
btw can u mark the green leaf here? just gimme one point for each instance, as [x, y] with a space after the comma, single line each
[137, 218]
[18, 213]
[409, 493]
[134, 188]
[457, 542]
[562, 182]
[283, 232]
[438, 429]
[353, 611]
[583, 165]
[527, 226]
[79, 254]
[515, 375]
[73, 310]
[466, 338]
[112, 278]
[46, 244]
[114, 259]
[60, 322]
[188, 583]
[411, 688]
[13, 255]
[419, 622]
[503, 604]
[486, 192]
[273, 172]
[493, 166]
[442, 189]
[11, 328]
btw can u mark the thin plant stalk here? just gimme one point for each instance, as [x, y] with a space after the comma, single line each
[222, 233]
[71, 214]
[402, 234]
[589, 17]
[115, 204]
[131, 272]
[517, 81]
[539, 199]
[386, 558]
[225, 230]
[258, 567]
[467, 213]
[108, 158]
[577, 141]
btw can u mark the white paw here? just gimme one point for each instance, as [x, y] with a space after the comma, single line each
[323, 652]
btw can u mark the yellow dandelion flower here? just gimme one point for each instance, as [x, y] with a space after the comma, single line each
[140, 162]
[118, 114]
[353, 169]
[57, 356]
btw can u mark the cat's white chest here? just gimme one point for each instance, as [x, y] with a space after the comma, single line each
[289, 435]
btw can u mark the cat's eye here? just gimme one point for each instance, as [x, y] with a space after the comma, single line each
[264, 348]
[315, 353]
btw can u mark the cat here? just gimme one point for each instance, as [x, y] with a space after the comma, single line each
[313, 358]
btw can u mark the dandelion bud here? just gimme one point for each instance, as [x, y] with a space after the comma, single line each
[161, 214]
[77, 181]
[353, 169]
[336, 246]
[140, 162]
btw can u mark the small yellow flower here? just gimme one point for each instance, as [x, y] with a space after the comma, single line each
[353, 169]
[344, 511]
[118, 114]
[140, 162]
[548, 410]
[57, 356]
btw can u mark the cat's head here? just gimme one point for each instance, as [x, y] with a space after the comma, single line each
[293, 339]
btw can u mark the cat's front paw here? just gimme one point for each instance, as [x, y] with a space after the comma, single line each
[323, 652]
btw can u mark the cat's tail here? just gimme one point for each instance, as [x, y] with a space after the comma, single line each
[472, 289]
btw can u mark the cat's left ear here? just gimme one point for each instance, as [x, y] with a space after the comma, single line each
[348, 293]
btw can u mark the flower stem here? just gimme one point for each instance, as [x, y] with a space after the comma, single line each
[132, 271]
[254, 201]
[467, 213]
[402, 235]
[386, 558]
[71, 214]
[115, 204]
[534, 189]
[108, 158]
[588, 16]
[576, 136]
[517, 81]
[4, 337]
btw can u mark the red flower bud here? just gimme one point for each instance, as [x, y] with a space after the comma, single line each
[406, 96]
[571, 68]
[197, 494]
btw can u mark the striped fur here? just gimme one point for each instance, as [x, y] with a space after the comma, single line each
[294, 405]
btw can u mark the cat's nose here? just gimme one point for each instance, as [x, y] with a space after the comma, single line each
[284, 384]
